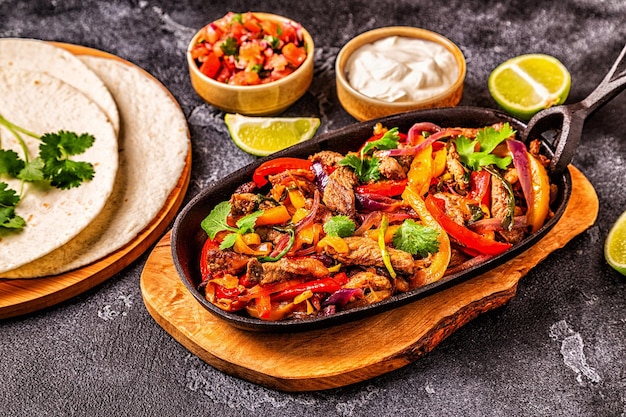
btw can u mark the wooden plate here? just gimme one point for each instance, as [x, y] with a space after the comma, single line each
[356, 351]
[22, 296]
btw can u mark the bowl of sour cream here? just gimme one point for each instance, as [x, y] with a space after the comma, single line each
[395, 69]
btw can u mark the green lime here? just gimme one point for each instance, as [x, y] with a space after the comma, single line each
[528, 83]
[262, 136]
[615, 245]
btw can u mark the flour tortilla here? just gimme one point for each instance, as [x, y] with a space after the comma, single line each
[154, 142]
[42, 104]
[41, 56]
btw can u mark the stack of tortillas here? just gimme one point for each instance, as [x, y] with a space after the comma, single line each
[140, 151]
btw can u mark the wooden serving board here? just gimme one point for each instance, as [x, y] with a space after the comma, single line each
[352, 352]
[23, 296]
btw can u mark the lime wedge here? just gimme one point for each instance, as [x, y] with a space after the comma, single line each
[526, 84]
[615, 245]
[262, 136]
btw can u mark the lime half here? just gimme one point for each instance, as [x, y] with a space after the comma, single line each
[529, 83]
[262, 136]
[615, 245]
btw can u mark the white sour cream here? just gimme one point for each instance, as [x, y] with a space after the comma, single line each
[398, 69]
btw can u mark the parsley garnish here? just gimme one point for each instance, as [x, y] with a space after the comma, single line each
[365, 167]
[53, 164]
[340, 225]
[416, 238]
[487, 140]
[217, 222]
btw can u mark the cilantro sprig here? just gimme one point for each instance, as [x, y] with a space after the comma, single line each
[217, 222]
[340, 225]
[416, 238]
[366, 167]
[487, 140]
[53, 164]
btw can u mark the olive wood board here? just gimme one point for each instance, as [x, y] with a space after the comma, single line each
[352, 352]
[24, 296]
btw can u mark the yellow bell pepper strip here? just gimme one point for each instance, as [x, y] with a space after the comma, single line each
[241, 246]
[273, 216]
[439, 162]
[421, 171]
[384, 224]
[276, 166]
[335, 242]
[540, 206]
[276, 312]
[439, 261]
[462, 234]
[296, 198]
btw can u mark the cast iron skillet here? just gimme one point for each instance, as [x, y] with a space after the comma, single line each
[564, 121]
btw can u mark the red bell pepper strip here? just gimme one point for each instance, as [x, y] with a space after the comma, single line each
[462, 234]
[323, 285]
[276, 166]
[388, 188]
[204, 264]
[479, 186]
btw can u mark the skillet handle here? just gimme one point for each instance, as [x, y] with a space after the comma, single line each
[571, 118]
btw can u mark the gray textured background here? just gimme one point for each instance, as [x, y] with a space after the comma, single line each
[558, 349]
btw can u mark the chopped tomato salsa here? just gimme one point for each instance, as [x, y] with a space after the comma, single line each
[242, 49]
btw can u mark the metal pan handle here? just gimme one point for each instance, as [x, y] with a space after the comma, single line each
[569, 119]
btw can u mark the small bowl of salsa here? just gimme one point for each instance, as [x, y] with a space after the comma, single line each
[251, 63]
[395, 69]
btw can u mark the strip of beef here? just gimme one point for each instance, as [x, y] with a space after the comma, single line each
[285, 269]
[339, 191]
[227, 262]
[500, 208]
[244, 203]
[375, 287]
[365, 252]
[328, 158]
[454, 166]
[390, 168]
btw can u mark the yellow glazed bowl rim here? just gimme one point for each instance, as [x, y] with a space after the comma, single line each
[406, 31]
[308, 42]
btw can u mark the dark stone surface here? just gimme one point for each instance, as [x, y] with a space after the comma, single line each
[557, 349]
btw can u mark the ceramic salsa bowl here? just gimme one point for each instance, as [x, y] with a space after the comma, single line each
[255, 100]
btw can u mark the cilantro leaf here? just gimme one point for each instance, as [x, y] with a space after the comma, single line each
[388, 141]
[55, 150]
[32, 171]
[10, 220]
[246, 224]
[228, 241]
[10, 163]
[216, 221]
[340, 225]
[416, 239]
[367, 170]
[9, 199]
[487, 140]
[66, 174]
